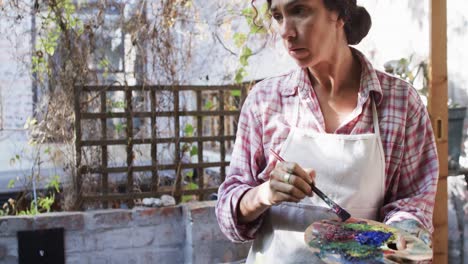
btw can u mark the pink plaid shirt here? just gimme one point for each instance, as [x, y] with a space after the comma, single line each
[411, 164]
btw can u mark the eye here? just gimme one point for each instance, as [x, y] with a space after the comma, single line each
[298, 10]
[276, 16]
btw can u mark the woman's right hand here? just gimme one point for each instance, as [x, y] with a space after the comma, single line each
[288, 183]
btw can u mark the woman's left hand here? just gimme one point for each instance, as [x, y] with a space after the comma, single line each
[415, 228]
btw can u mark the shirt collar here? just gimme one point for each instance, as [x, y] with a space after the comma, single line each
[369, 80]
[299, 78]
[292, 82]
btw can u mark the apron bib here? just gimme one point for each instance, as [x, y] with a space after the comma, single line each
[350, 170]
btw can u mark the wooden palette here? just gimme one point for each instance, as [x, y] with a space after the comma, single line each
[363, 241]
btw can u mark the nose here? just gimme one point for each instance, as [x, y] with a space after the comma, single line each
[288, 29]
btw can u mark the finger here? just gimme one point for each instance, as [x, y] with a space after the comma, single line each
[282, 187]
[278, 174]
[294, 180]
[400, 242]
[299, 183]
[426, 237]
[279, 197]
[296, 169]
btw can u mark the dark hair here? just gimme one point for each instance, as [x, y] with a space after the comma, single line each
[356, 18]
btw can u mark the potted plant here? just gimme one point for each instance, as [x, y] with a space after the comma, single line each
[456, 113]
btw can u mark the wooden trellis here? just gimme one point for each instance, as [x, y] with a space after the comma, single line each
[103, 196]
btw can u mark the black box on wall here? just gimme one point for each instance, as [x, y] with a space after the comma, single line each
[41, 246]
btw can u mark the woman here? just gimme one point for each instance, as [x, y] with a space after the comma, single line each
[364, 136]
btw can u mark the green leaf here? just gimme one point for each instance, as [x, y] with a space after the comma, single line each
[236, 93]
[54, 183]
[118, 104]
[264, 8]
[11, 183]
[240, 74]
[246, 53]
[403, 61]
[188, 130]
[104, 63]
[208, 104]
[239, 39]
[80, 28]
[30, 122]
[190, 174]
[32, 142]
[248, 12]
[194, 151]
[50, 49]
[73, 22]
[119, 127]
[261, 30]
[46, 202]
[191, 186]
[186, 198]
[47, 150]
[255, 29]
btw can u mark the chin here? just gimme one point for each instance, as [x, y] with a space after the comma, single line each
[307, 62]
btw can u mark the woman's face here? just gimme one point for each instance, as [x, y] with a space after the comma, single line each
[310, 32]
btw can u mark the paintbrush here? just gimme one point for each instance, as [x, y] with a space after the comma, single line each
[338, 210]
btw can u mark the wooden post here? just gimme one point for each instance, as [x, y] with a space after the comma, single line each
[129, 147]
[78, 203]
[438, 111]
[104, 149]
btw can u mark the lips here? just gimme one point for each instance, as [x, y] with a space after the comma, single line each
[293, 48]
[298, 53]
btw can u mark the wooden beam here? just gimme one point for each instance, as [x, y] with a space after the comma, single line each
[438, 111]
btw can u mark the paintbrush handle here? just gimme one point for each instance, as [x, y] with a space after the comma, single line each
[342, 213]
[324, 197]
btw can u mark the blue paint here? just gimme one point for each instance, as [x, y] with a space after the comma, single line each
[372, 238]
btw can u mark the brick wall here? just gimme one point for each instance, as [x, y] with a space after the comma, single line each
[180, 234]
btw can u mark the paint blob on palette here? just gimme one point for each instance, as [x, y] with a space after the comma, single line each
[363, 241]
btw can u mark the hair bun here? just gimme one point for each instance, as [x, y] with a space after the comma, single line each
[358, 25]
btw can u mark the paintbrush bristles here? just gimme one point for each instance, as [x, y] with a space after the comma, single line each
[344, 215]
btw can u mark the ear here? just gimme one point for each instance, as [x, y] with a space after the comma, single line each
[340, 23]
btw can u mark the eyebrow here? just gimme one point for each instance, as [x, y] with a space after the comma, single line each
[289, 3]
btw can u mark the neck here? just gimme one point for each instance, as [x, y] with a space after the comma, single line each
[339, 75]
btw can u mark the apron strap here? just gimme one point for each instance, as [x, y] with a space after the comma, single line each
[375, 118]
[296, 110]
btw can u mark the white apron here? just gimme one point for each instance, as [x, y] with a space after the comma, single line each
[350, 170]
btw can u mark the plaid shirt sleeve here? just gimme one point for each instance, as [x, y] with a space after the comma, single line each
[412, 188]
[247, 161]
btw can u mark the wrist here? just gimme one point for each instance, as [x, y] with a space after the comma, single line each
[263, 195]
[252, 204]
